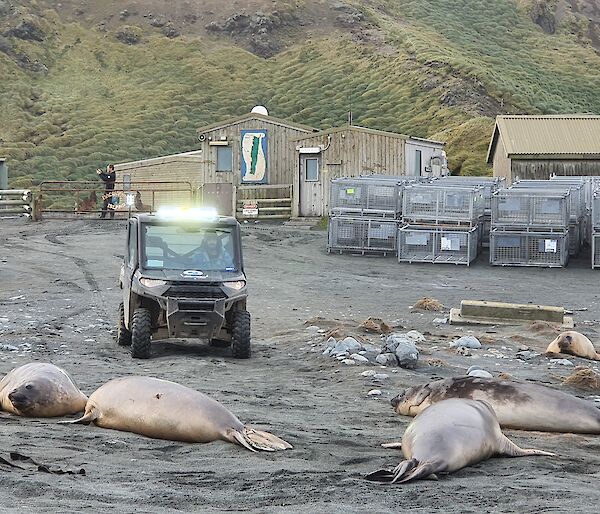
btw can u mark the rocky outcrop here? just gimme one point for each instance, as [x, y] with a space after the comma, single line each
[347, 16]
[541, 14]
[5, 8]
[27, 30]
[258, 29]
[129, 35]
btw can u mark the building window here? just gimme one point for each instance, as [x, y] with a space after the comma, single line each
[224, 158]
[127, 182]
[418, 163]
[311, 170]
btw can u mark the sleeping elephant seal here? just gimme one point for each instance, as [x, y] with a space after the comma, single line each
[573, 343]
[166, 410]
[449, 436]
[520, 406]
[40, 390]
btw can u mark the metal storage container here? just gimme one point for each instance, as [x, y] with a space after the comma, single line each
[435, 244]
[524, 248]
[434, 204]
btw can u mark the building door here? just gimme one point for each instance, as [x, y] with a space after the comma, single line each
[219, 196]
[311, 186]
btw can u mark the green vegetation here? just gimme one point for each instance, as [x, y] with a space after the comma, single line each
[442, 69]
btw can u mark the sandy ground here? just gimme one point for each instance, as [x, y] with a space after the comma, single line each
[58, 296]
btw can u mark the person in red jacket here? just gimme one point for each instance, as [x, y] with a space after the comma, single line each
[109, 177]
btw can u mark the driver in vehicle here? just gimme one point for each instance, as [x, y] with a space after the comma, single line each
[212, 255]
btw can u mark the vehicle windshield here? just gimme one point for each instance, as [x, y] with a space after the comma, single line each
[189, 247]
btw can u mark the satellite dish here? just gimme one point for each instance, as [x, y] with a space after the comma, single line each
[260, 109]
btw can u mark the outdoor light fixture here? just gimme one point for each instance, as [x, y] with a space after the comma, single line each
[238, 284]
[152, 282]
[191, 214]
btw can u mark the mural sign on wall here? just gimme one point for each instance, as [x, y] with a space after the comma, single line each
[254, 156]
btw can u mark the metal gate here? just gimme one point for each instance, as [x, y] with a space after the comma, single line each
[83, 198]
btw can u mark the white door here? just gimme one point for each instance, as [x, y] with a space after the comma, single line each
[311, 186]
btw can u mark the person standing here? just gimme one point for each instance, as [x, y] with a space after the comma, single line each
[109, 177]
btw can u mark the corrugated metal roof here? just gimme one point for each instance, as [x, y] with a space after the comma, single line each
[568, 136]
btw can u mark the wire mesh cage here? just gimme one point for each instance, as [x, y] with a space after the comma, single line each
[438, 204]
[361, 235]
[516, 248]
[590, 184]
[489, 185]
[531, 208]
[575, 234]
[438, 244]
[366, 196]
[577, 201]
[596, 212]
[595, 251]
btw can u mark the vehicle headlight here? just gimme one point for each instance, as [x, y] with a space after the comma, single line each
[238, 284]
[152, 282]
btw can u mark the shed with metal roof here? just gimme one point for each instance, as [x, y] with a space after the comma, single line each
[350, 151]
[536, 147]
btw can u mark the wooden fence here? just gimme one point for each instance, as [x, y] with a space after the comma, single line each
[273, 201]
[17, 202]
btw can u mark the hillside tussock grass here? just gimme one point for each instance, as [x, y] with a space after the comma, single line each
[103, 101]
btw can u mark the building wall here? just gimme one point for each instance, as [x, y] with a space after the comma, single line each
[543, 169]
[281, 155]
[427, 152]
[174, 168]
[348, 153]
[501, 162]
[199, 167]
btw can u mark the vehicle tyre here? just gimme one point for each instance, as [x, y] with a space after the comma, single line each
[240, 334]
[141, 334]
[123, 335]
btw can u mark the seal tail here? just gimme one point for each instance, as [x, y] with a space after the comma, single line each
[406, 471]
[257, 440]
[510, 449]
[88, 417]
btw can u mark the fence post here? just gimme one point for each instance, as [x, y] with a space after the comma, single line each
[3, 174]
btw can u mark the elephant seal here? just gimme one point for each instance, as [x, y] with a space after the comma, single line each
[449, 436]
[573, 343]
[40, 389]
[518, 406]
[166, 410]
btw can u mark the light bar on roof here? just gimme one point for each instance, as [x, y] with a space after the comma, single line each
[189, 214]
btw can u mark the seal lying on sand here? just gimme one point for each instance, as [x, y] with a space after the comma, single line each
[449, 436]
[40, 390]
[520, 406]
[573, 343]
[166, 410]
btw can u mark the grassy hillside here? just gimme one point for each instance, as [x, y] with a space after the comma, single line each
[81, 97]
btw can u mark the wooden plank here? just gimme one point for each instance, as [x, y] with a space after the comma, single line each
[265, 200]
[245, 187]
[474, 309]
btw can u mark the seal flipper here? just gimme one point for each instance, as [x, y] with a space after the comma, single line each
[396, 445]
[264, 441]
[257, 440]
[381, 475]
[88, 417]
[510, 449]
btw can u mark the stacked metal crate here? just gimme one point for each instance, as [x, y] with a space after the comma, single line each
[530, 227]
[590, 185]
[577, 202]
[440, 224]
[364, 214]
[595, 229]
[489, 186]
